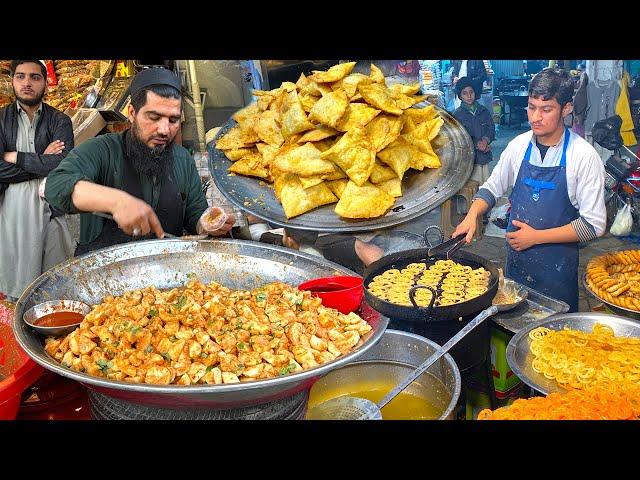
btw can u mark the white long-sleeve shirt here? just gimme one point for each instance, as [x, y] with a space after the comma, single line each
[585, 179]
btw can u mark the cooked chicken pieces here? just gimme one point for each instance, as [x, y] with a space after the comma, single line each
[207, 334]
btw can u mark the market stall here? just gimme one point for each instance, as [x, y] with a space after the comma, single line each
[204, 329]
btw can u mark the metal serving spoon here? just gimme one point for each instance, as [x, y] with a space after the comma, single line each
[354, 408]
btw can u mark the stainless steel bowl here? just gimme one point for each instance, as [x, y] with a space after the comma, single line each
[440, 384]
[166, 264]
[35, 313]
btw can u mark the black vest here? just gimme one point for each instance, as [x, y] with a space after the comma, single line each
[169, 210]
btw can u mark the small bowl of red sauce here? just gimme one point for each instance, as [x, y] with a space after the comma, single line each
[57, 317]
[341, 292]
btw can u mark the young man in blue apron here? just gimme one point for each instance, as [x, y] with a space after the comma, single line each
[557, 199]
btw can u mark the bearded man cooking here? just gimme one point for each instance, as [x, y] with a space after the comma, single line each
[141, 177]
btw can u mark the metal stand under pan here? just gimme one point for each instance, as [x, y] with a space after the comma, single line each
[104, 407]
[469, 354]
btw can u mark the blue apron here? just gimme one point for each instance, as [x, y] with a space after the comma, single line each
[540, 198]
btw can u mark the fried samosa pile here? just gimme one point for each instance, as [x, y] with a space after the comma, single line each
[334, 136]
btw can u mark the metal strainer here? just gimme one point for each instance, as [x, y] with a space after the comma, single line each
[354, 408]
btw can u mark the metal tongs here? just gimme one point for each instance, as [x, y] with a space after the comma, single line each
[448, 248]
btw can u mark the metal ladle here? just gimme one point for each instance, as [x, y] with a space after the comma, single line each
[354, 408]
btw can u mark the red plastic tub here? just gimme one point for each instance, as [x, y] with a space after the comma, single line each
[17, 370]
[342, 292]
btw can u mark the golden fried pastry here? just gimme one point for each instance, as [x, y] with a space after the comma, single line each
[383, 130]
[399, 156]
[381, 173]
[337, 186]
[334, 74]
[363, 201]
[376, 75]
[350, 83]
[232, 140]
[268, 129]
[294, 118]
[434, 127]
[419, 115]
[377, 94]
[238, 153]
[392, 186]
[304, 160]
[317, 134]
[405, 89]
[243, 114]
[356, 115]
[354, 154]
[252, 165]
[308, 182]
[297, 200]
[615, 277]
[322, 129]
[330, 108]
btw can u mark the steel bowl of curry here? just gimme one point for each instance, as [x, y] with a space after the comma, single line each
[57, 317]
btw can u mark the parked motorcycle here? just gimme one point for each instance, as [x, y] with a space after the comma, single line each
[622, 170]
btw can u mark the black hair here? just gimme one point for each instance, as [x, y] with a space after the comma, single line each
[15, 63]
[463, 83]
[552, 83]
[139, 99]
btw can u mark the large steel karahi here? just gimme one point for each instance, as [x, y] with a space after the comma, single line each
[166, 264]
[422, 191]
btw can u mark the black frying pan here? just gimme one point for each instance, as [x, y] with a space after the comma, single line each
[429, 255]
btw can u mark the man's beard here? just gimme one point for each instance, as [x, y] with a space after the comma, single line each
[29, 102]
[152, 162]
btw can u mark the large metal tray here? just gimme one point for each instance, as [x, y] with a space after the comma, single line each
[625, 312]
[537, 307]
[519, 357]
[166, 264]
[422, 191]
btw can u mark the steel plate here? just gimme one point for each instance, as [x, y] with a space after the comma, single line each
[165, 264]
[625, 312]
[422, 191]
[520, 358]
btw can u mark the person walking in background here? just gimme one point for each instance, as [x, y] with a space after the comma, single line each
[478, 122]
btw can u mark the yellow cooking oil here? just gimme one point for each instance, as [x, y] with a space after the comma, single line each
[406, 406]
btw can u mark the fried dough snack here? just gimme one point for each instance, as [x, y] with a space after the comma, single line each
[578, 360]
[615, 277]
[453, 282]
[352, 119]
[207, 334]
[610, 402]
